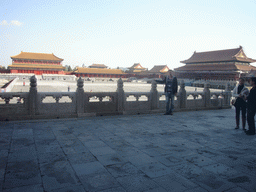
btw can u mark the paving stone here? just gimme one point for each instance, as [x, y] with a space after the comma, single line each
[244, 181]
[118, 189]
[94, 144]
[5, 144]
[23, 154]
[123, 169]
[21, 174]
[236, 189]
[22, 133]
[29, 188]
[169, 160]
[158, 189]
[197, 189]
[136, 183]
[48, 148]
[189, 170]
[199, 160]
[98, 181]
[110, 159]
[155, 169]
[183, 180]
[46, 141]
[128, 151]
[141, 159]
[169, 184]
[20, 143]
[80, 158]
[212, 182]
[71, 188]
[88, 168]
[222, 170]
[2, 173]
[102, 151]
[57, 175]
[51, 157]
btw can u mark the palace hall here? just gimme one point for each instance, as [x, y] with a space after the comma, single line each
[99, 72]
[228, 64]
[37, 63]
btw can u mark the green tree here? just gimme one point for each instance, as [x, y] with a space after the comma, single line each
[69, 68]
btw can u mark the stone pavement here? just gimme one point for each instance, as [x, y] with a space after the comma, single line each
[189, 151]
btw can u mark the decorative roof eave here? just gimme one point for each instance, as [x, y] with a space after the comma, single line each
[218, 56]
[37, 56]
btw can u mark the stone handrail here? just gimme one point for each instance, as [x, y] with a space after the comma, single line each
[34, 105]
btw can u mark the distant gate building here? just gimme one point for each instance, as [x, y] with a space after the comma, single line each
[37, 63]
[229, 64]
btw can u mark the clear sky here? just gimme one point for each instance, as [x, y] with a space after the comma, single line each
[119, 33]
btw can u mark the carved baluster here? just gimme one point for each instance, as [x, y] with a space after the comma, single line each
[154, 98]
[80, 96]
[120, 96]
[137, 97]
[57, 98]
[207, 95]
[182, 95]
[32, 98]
[7, 100]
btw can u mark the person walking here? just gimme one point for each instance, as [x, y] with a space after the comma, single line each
[171, 88]
[240, 92]
[251, 107]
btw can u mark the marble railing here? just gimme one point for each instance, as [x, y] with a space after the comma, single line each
[40, 105]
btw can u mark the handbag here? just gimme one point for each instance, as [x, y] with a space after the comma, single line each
[233, 101]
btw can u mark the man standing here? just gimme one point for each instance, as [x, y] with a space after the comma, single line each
[251, 107]
[171, 88]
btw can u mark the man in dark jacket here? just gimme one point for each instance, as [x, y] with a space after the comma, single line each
[251, 107]
[170, 89]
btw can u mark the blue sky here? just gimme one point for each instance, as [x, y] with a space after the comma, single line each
[119, 33]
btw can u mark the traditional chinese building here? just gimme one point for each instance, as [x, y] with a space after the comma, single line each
[229, 64]
[37, 63]
[137, 71]
[136, 68]
[158, 71]
[99, 72]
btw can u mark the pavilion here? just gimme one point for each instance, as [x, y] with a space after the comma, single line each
[228, 64]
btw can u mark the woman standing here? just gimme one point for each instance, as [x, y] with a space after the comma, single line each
[240, 92]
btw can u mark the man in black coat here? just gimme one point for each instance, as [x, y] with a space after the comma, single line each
[251, 107]
[170, 89]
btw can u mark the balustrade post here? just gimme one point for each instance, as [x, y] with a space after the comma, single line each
[120, 95]
[80, 96]
[227, 95]
[207, 95]
[154, 96]
[32, 97]
[182, 95]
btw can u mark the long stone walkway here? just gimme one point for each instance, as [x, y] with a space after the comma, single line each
[188, 152]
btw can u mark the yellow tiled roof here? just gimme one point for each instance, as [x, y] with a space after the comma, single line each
[37, 56]
[99, 71]
[38, 66]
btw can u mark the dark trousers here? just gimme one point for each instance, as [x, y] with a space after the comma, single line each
[250, 120]
[238, 109]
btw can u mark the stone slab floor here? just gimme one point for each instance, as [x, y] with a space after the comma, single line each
[188, 152]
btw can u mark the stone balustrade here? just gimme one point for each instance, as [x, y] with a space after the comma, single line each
[42, 105]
